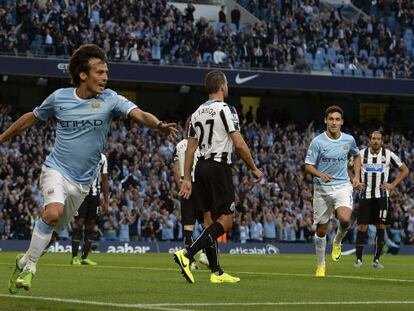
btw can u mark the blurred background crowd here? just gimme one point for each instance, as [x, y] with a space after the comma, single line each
[144, 203]
[303, 36]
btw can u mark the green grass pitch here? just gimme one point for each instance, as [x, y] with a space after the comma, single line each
[153, 282]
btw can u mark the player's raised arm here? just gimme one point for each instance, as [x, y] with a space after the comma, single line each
[152, 121]
[25, 122]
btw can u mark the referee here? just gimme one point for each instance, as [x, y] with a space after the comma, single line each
[374, 195]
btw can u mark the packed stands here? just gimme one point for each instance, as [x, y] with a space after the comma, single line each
[144, 203]
[292, 36]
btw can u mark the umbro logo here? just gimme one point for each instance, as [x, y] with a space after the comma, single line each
[240, 80]
[63, 108]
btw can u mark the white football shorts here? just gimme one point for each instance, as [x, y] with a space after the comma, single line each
[58, 189]
[328, 198]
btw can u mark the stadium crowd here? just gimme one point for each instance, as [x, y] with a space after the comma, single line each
[292, 36]
[144, 204]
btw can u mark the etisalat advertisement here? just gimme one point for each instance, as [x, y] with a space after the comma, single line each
[273, 248]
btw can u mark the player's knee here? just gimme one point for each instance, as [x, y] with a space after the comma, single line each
[207, 223]
[90, 226]
[344, 222]
[322, 231]
[79, 223]
[52, 216]
[189, 227]
[344, 219]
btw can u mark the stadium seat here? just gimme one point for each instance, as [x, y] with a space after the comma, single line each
[382, 61]
[363, 53]
[372, 59]
[369, 73]
[336, 72]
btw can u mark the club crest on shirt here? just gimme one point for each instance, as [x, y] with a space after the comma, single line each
[50, 191]
[95, 105]
[346, 147]
[234, 117]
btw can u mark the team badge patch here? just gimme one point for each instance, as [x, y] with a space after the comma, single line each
[95, 105]
[50, 191]
[346, 147]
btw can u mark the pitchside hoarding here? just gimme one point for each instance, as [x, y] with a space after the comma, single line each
[171, 247]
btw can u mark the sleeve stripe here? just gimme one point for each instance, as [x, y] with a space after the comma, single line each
[395, 160]
[232, 109]
[192, 133]
[223, 118]
[131, 108]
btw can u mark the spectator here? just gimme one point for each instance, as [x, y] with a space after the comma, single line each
[222, 15]
[219, 56]
[235, 17]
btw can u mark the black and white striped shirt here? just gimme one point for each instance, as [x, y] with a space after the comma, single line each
[179, 155]
[211, 125]
[375, 171]
[103, 169]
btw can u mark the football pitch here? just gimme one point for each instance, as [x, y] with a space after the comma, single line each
[154, 282]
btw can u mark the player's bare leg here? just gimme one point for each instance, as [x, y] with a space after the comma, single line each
[344, 216]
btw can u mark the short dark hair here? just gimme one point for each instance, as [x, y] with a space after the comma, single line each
[79, 62]
[375, 131]
[213, 81]
[332, 109]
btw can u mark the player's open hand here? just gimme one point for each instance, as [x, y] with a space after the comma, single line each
[258, 174]
[325, 177]
[388, 186]
[168, 129]
[185, 191]
[362, 186]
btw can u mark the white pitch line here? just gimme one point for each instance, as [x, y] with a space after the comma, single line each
[163, 307]
[334, 276]
[285, 303]
[168, 306]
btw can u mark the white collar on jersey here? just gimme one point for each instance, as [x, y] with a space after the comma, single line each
[76, 95]
[211, 101]
[374, 154]
[340, 136]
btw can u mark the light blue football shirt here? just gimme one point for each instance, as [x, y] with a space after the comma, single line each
[331, 156]
[81, 131]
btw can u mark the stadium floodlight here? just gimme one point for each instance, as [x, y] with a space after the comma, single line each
[41, 81]
[184, 89]
[4, 78]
